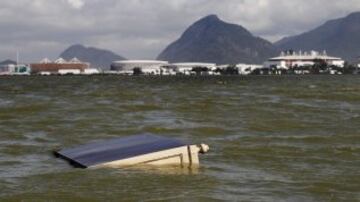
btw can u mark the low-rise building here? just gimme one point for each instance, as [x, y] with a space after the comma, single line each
[129, 67]
[246, 69]
[45, 73]
[292, 59]
[243, 69]
[91, 71]
[13, 69]
[69, 71]
[188, 67]
[5, 69]
[46, 66]
[168, 70]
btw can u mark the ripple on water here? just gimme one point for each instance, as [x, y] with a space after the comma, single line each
[271, 138]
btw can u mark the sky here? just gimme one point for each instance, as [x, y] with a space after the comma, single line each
[141, 29]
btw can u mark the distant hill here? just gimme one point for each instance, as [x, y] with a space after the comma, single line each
[213, 40]
[96, 57]
[339, 37]
[7, 62]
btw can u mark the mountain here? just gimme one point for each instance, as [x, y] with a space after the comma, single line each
[339, 37]
[96, 57]
[7, 62]
[213, 40]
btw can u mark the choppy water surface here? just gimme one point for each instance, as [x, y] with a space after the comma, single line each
[271, 138]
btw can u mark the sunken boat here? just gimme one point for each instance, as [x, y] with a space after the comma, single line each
[135, 150]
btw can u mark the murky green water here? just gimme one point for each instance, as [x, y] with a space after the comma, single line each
[272, 138]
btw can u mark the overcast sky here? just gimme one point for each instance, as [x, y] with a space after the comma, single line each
[141, 29]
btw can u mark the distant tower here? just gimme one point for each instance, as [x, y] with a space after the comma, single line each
[17, 57]
[324, 53]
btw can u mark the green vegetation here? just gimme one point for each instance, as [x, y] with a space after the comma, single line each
[200, 70]
[230, 70]
[138, 71]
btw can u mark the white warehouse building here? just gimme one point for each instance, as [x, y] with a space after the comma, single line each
[151, 67]
[186, 68]
[244, 69]
[288, 60]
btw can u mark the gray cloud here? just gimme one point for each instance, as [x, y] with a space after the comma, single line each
[142, 28]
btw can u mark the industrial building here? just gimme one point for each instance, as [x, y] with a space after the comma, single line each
[155, 67]
[244, 69]
[149, 67]
[59, 66]
[188, 67]
[291, 59]
[13, 69]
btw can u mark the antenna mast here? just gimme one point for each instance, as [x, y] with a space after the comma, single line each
[17, 57]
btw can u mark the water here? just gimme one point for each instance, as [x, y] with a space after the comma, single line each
[272, 138]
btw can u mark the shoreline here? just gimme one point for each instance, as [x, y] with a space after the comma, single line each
[179, 76]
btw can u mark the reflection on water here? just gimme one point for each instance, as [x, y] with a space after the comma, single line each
[271, 138]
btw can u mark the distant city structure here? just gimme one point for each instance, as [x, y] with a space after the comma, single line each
[289, 62]
[156, 67]
[243, 69]
[130, 67]
[14, 69]
[290, 59]
[189, 68]
[246, 69]
[59, 66]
